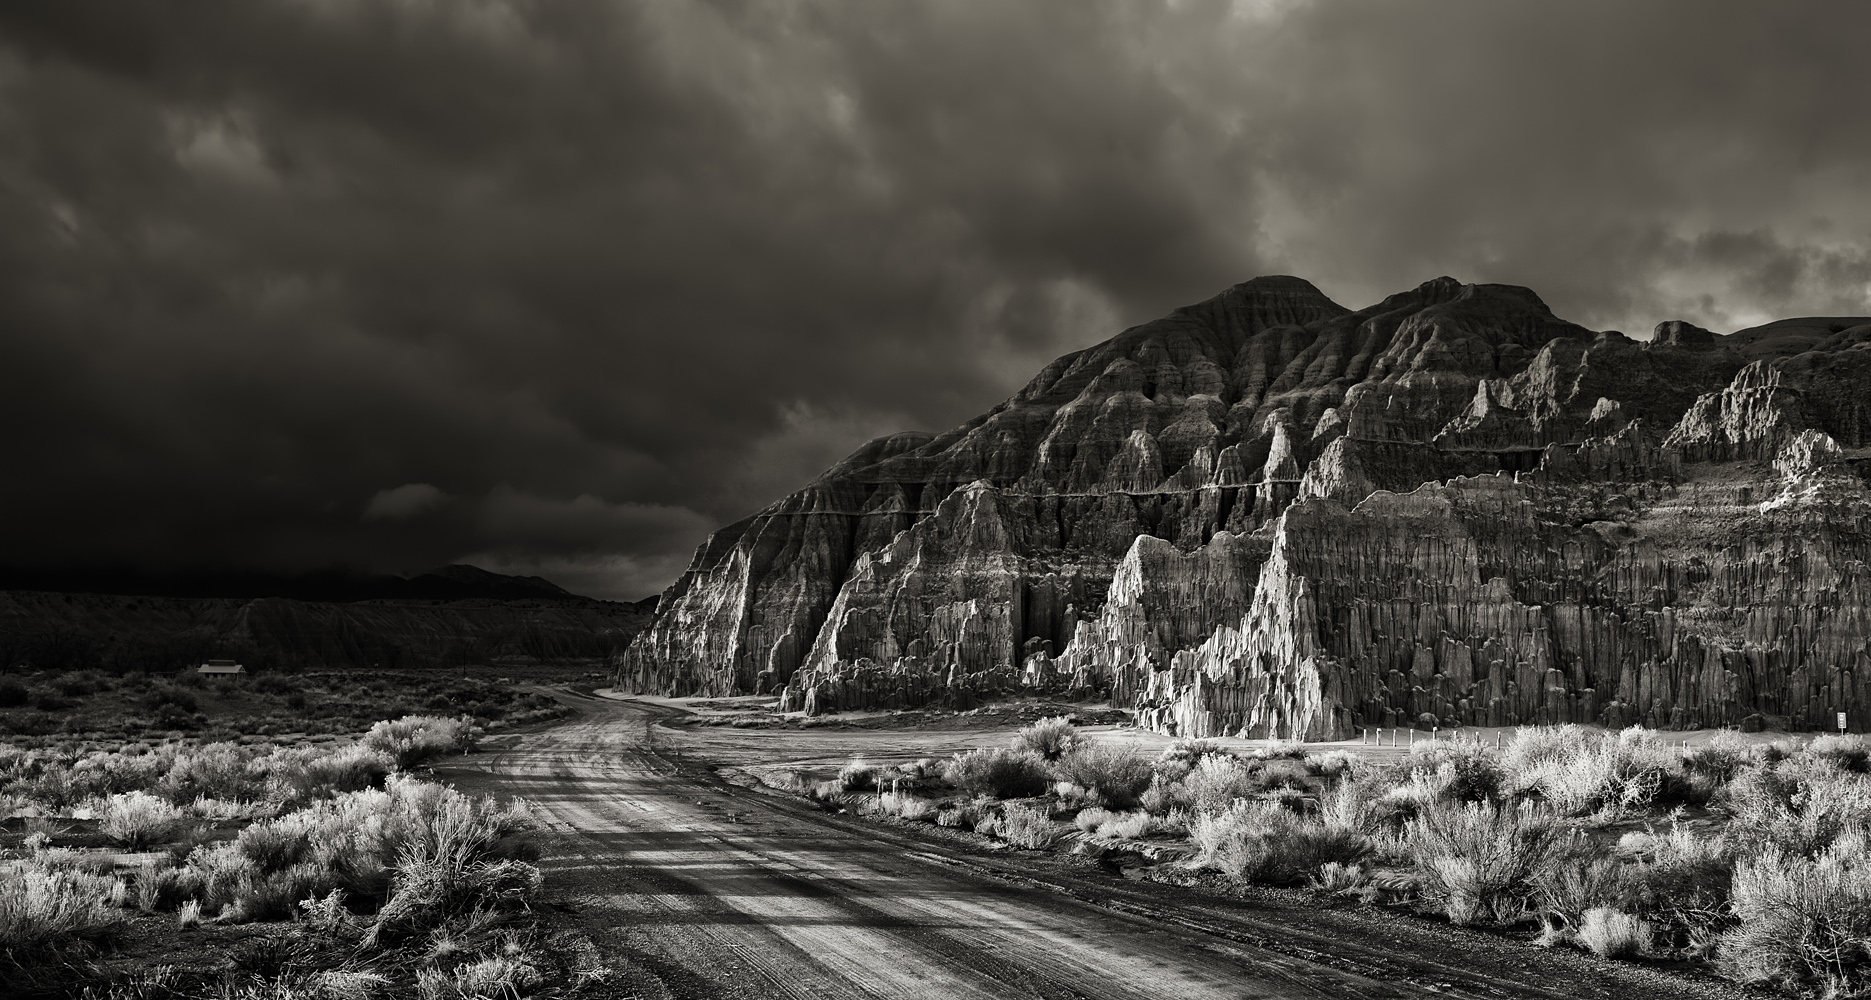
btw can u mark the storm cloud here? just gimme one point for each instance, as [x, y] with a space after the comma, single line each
[557, 287]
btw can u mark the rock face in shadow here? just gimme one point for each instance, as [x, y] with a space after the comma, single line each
[1268, 514]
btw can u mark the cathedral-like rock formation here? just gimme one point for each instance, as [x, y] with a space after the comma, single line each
[1268, 514]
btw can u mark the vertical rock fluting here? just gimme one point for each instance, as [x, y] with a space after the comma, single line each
[1265, 514]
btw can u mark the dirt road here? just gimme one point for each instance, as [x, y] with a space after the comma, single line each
[694, 887]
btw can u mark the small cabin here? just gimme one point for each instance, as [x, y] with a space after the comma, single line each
[221, 667]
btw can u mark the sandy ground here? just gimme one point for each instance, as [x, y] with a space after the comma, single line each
[691, 886]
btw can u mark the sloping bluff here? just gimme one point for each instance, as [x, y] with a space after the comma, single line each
[1269, 515]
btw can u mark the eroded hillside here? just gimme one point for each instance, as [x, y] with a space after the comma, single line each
[1269, 514]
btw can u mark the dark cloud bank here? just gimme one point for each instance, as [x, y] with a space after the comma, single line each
[556, 287]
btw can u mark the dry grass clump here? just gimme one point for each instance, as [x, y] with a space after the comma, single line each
[907, 805]
[489, 978]
[1027, 826]
[49, 911]
[1610, 933]
[1048, 739]
[1133, 825]
[1000, 774]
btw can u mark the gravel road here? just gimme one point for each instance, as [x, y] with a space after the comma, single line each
[690, 886]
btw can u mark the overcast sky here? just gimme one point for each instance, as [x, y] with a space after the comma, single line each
[557, 287]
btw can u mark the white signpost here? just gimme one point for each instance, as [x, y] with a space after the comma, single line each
[1841, 723]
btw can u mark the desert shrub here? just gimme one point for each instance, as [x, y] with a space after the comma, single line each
[1535, 747]
[1344, 806]
[138, 819]
[1476, 860]
[300, 775]
[1803, 921]
[1262, 842]
[159, 888]
[1577, 882]
[1002, 774]
[47, 700]
[1117, 773]
[1719, 759]
[1048, 739]
[907, 806]
[1581, 772]
[1164, 796]
[222, 810]
[1027, 826]
[1465, 770]
[1682, 881]
[1216, 781]
[13, 694]
[857, 776]
[917, 774]
[1799, 804]
[46, 913]
[1177, 758]
[80, 684]
[1334, 763]
[1610, 933]
[168, 696]
[217, 770]
[1847, 753]
[1278, 750]
[414, 740]
[1075, 796]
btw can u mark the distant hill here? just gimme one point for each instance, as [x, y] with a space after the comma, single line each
[447, 583]
[447, 617]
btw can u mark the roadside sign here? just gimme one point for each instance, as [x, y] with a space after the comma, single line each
[1841, 722]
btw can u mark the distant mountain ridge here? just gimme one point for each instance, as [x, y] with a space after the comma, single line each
[1267, 513]
[455, 582]
[448, 617]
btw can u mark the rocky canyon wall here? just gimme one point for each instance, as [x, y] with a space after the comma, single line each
[1269, 514]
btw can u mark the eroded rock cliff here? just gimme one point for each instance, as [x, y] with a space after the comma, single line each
[1269, 514]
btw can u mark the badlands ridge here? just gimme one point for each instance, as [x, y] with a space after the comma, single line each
[1267, 514]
